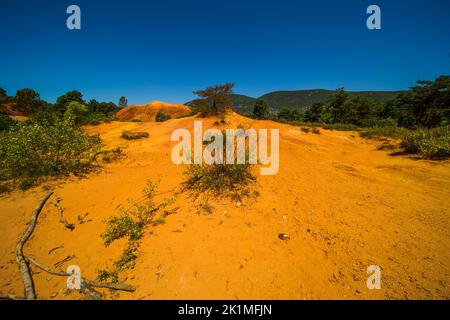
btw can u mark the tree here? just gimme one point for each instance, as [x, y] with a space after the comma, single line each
[214, 100]
[75, 111]
[314, 112]
[3, 96]
[123, 102]
[28, 101]
[105, 108]
[336, 105]
[64, 100]
[260, 109]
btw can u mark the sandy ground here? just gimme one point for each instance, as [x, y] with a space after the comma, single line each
[345, 205]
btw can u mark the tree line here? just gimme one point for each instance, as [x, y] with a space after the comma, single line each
[29, 103]
[426, 105]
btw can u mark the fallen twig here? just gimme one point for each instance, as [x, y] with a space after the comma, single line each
[68, 225]
[23, 265]
[60, 263]
[56, 248]
[97, 284]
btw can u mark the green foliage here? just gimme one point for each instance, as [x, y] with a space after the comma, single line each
[75, 111]
[134, 135]
[260, 110]
[63, 101]
[28, 101]
[130, 224]
[6, 122]
[123, 102]
[427, 105]
[218, 179]
[213, 100]
[382, 132]
[107, 109]
[432, 143]
[161, 117]
[120, 227]
[128, 257]
[33, 150]
[339, 126]
[286, 114]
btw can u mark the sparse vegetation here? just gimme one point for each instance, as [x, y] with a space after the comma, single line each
[35, 150]
[382, 132]
[134, 135]
[219, 179]
[431, 143]
[130, 224]
[161, 117]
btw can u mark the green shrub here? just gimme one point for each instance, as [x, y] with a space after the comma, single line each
[384, 132]
[130, 135]
[338, 126]
[121, 227]
[6, 122]
[161, 117]
[430, 143]
[35, 150]
[128, 257]
[219, 179]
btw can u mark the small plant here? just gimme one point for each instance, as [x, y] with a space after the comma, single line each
[120, 227]
[305, 129]
[382, 132]
[130, 224]
[128, 257]
[134, 135]
[161, 117]
[219, 179]
[315, 130]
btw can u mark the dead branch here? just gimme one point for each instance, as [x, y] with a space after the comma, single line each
[60, 263]
[56, 248]
[68, 225]
[23, 265]
[97, 284]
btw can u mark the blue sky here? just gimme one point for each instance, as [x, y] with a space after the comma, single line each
[163, 50]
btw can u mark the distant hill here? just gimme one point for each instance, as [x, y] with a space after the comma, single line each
[147, 113]
[300, 99]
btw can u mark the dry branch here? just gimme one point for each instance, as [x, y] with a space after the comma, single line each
[97, 284]
[23, 265]
[68, 225]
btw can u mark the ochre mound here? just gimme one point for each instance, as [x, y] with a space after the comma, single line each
[147, 113]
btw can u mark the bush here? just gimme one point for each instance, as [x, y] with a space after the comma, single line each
[382, 132]
[6, 122]
[431, 143]
[161, 117]
[130, 135]
[219, 179]
[35, 150]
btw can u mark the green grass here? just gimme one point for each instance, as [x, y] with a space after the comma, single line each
[385, 132]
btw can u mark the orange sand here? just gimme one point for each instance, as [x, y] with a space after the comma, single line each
[344, 204]
[147, 113]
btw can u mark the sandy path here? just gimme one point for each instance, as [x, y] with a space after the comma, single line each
[345, 205]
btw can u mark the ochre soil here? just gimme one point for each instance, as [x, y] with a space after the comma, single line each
[148, 112]
[344, 204]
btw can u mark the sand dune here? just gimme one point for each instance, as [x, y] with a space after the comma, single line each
[147, 113]
[344, 204]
